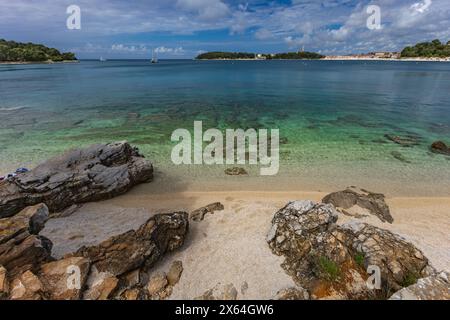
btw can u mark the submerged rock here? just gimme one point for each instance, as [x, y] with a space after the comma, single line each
[236, 171]
[352, 196]
[199, 214]
[330, 261]
[435, 287]
[440, 147]
[141, 248]
[95, 173]
[406, 141]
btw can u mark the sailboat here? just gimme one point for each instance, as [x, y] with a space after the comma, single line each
[154, 57]
[102, 59]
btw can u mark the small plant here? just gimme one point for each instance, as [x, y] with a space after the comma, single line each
[329, 269]
[409, 279]
[359, 259]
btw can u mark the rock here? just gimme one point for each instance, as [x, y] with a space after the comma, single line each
[4, 284]
[292, 294]
[434, 287]
[352, 196]
[130, 294]
[101, 285]
[60, 278]
[199, 214]
[220, 292]
[31, 220]
[174, 274]
[330, 261]
[132, 278]
[440, 147]
[397, 155]
[26, 287]
[139, 249]
[98, 172]
[236, 171]
[157, 284]
[406, 141]
[21, 248]
[25, 252]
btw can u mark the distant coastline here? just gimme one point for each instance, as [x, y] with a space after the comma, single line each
[37, 62]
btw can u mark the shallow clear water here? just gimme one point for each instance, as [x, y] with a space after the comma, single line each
[333, 114]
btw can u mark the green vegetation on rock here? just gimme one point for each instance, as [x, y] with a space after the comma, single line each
[11, 51]
[433, 49]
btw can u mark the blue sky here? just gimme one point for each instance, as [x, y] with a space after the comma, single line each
[184, 28]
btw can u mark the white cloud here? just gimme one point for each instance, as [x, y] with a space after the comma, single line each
[172, 51]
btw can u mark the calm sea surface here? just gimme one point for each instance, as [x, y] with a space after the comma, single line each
[333, 117]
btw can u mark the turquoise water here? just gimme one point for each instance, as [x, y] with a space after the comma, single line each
[332, 115]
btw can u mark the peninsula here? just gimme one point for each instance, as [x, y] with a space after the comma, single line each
[17, 52]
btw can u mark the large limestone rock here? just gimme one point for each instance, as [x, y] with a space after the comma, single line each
[435, 287]
[354, 197]
[64, 279]
[331, 261]
[141, 248]
[21, 248]
[98, 172]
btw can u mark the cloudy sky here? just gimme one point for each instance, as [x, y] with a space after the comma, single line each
[183, 28]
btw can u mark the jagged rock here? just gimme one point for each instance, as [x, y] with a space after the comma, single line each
[157, 285]
[27, 287]
[98, 172]
[236, 171]
[21, 248]
[25, 252]
[60, 278]
[132, 278]
[435, 287]
[352, 196]
[139, 249]
[174, 274]
[199, 214]
[440, 147]
[220, 292]
[4, 284]
[31, 220]
[100, 285]
[292, 294]
[330, 261]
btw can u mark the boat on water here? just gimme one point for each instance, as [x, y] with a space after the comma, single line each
[154, 57]
[102, 59]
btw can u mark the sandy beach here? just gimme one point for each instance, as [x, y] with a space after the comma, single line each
[229, 247]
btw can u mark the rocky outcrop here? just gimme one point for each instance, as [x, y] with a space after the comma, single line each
[199, 214]
[98, 172]
[331, 261]
[435, 287]
[353, 197]
[21, 248]
[64, 279]
[440, 147]
[27, 286]
[141, 248]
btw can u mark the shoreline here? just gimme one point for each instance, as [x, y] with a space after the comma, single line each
[37, 62]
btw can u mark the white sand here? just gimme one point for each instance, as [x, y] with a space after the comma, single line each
[230, 246]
